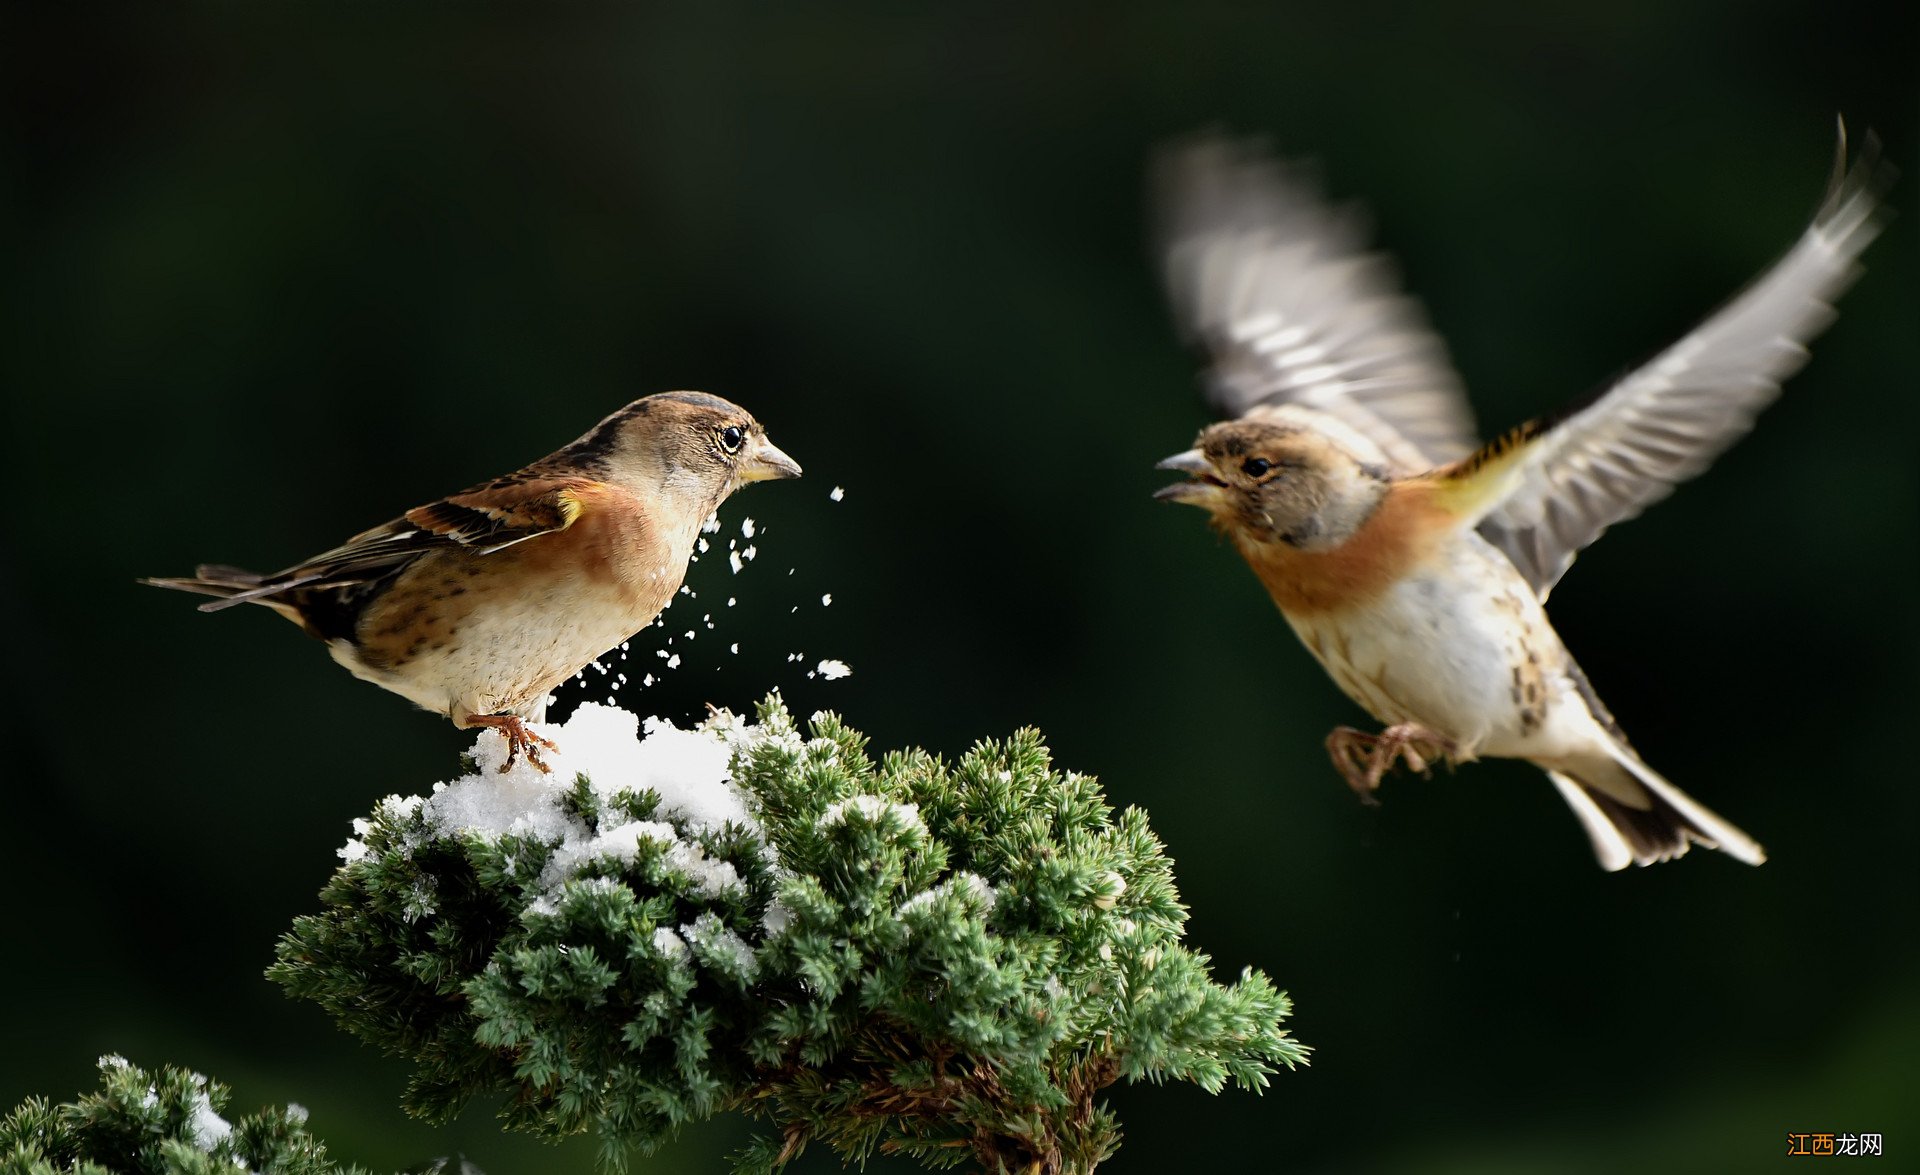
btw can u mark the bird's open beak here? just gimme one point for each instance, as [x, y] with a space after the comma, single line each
[1201, 491]
[768, 463]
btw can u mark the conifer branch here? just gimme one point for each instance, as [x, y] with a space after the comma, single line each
[949, 962]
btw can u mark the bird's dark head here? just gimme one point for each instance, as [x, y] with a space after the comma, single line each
[1268, 482]
[687, 445]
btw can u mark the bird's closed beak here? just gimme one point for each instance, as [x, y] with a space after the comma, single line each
[768, 463]
[1198, 492]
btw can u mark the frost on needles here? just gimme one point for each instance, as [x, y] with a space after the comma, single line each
[944, 961]
[159, 1122]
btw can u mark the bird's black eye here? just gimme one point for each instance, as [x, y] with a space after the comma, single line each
[731, 436]
[1256, 466]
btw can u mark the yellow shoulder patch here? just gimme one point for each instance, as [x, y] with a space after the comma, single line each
[570, 507]
[1474, 484]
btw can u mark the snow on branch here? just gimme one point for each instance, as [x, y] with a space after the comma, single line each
[164, 1122]
[943, 961]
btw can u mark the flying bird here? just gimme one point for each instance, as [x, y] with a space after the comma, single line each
[477, 605]
[1412, 561]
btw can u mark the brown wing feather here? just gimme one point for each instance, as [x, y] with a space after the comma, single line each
[497, 516]
[485, 518]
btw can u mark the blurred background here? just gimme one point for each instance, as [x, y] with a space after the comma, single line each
[277, 274]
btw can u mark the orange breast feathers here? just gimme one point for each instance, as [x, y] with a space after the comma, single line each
[612, 539]
[1406, 531]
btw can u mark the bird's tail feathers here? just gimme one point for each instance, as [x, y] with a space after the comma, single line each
[1661, 827]
[233, 585]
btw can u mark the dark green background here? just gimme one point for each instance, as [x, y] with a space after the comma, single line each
[277, 274]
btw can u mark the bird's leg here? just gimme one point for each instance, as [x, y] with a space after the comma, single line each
[1356, 756]
[1350, 749]
[1363, 759]
[518, 737]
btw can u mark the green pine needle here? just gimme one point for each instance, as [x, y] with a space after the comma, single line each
[949, 962]
[161, 1122]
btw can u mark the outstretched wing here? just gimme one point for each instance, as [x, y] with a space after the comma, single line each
[487, 518]
[1278, 289]
[1607, 460]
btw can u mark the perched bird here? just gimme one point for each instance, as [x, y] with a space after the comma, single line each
[1411, 563]
[475, 606]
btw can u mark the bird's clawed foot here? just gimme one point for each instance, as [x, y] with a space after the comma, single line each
[519, 738]
[1362, 758]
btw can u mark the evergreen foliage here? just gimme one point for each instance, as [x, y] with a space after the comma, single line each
[165, 1122]
[944, 961]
